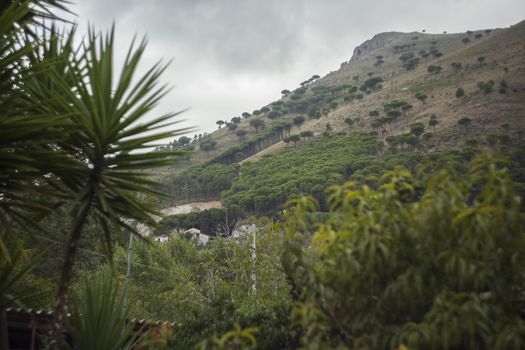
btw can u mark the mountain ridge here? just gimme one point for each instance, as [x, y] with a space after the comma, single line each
[500, 49]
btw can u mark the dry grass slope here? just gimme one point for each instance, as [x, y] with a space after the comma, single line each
[491, 113]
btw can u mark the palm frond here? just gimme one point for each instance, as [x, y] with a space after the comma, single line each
[99, 317]
[13, 267]
[108, 116]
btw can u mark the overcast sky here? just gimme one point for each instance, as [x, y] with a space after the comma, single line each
[234, 56]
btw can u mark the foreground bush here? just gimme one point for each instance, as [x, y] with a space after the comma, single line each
[439, 268]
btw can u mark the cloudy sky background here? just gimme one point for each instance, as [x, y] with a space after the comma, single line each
[234, 56]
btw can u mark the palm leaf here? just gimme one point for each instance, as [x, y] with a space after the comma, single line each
[108, 115]
[99, 317]
[13, 267]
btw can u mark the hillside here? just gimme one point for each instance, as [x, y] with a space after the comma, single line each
[414, 91]
[500, 52]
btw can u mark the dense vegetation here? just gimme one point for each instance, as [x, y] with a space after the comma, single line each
[262, 187]
[207, 291]
[434, 262]
[374, 247]
[429, 259]
[268, 183]
[202, 182]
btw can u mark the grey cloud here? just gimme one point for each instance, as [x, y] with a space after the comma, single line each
[235, 55]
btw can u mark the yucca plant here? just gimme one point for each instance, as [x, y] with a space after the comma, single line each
[107, 137]
[68, 130]
[13, 268]
[99, 317]
[26, 154]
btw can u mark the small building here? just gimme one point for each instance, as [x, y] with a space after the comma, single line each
[161, 239]
[203, 239]
[242, 231]
[196, 236]
[193, 231]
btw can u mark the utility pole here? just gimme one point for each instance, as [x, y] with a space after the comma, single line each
[254, 257]
[128, 272]
[227, 224]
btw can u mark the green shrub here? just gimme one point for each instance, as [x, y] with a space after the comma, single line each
[432, 265]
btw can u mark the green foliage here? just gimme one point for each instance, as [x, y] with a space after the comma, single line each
[427, 136]
[306, 134]
[373, 114]
[417, 129]
[14, 267]
[203, 181]
[460, 92]
[92, 117]
[423, 54]
[429, 263]
[372, 84]
[410, 61]
[327, 130]
[503, 85]
[184, 140]
[26, 153]
[456, 66]
[257, 124]
[273, 115]
[403, 141]
[472, 143]
[206, 291]
[433, 121]
[465, 123]
[421, 97]
[237, 338]
[208, 144]
[99, 317]
[294, 138]
[241, 133]
[492, 140]
[486, 86]
[298, 121]
[349, 121]
[436, 54]
[434, 69]
[265, 185]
